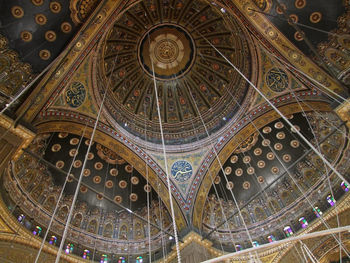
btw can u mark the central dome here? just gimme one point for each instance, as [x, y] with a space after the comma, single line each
[171, 50]
[195, 83]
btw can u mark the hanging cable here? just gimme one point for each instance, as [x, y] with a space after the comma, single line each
[59, 198]
[166, 165]
[278, 111]
[82, 169]
[222, 169]
[148, 201]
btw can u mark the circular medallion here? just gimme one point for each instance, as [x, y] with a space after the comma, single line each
[278, 146]
[257, 151]
[277, 79]
[73, 152]
[128, 168]
[280, 135]
[279, 125]
[109, 184]
[171, 50]
[228, 170]
[87, 142]
[295, 128]
[90, 156]
[77, 164]
[239, 172]
[287, 158]
[300, 4]
[133, 197]
[229, 185]
[234, 159]
[135, 180]
[17, 12]
[147, 188]
[315, 17]
[99, 196]
[265, 142]
[294, 143]
[40, 19]
[247, 159]
[70, 178]
[270, 156]
[50, 36]
[181, 170]
[37, 2]
[299, 36]
[261, 179]
[74, 141]
[246, 185]
[55, 7]
[86, 172]
[75, 94]
[62, 135]
[83, 189]
[261, 164]
[275, 170]
[98, 166]
[26, 36]
[44, 54]
[250, 170]
[113, 172]
[66, 27]
[96, 179]
[118, 199]
[123, 184]
[59, 164]
[217, 180]
[56, 147]
[267, 129]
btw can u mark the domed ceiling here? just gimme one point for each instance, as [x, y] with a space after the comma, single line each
[111, 207]
[268, 197]
[169, 41]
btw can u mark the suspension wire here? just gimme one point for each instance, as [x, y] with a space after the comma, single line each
[263, 136]
[211, 207]
[289, 65]
[60, 197]
[319, 149]
[279, 113]
[166, 164]
[148, 193]
[295, 246]
[296, 23]
[82, 169]
[222, 170]
[292, 178]
[308, 252]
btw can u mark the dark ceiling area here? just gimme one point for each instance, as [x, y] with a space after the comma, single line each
[321, 14]
[39, 30]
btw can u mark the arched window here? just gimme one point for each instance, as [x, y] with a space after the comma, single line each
[288, 231]
[104, 259]
[139, 259]
[37, 231]
[69, 248]
[53, 240]
[86, 254]
[21, 218]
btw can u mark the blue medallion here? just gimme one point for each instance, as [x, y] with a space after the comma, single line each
[181, 171]
[75, 94]
[277, 79]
